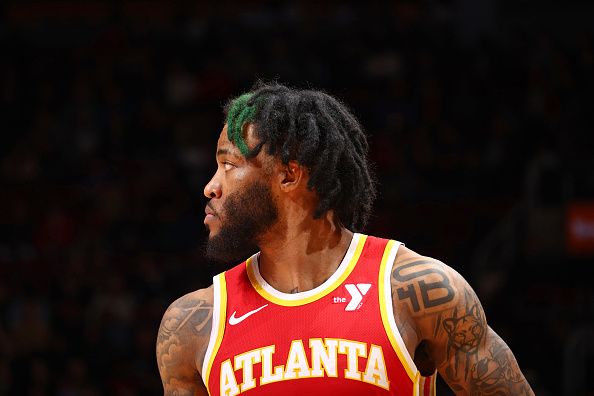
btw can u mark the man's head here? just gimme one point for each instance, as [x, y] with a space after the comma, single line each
[280, 146]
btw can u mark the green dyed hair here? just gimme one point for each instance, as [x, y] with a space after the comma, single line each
[241, 111]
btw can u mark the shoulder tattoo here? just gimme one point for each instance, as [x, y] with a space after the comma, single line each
[423, 285]
[185, 328]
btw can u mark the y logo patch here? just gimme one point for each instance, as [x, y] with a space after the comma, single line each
[357, 292]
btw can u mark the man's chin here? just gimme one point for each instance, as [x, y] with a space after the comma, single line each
[226, 250]
[211, 235]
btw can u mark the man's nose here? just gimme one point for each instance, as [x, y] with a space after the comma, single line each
[213, 189]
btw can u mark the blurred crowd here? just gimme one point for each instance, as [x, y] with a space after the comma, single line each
[111, 112]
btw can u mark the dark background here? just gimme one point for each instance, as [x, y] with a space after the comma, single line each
[480, 117]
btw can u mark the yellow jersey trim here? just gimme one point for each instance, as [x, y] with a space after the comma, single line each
[385, 294]
[417, 385]
[261, 288]
[219, 318]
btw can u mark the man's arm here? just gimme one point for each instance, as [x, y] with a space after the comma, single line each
[447, 323]
[182, 342]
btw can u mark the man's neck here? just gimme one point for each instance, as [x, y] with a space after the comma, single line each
[301, 259]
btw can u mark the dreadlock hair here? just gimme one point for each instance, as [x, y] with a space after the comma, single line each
[316, 130]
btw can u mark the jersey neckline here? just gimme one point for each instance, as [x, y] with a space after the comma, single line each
[291, 300]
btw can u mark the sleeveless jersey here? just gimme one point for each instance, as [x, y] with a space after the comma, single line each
[338, 339]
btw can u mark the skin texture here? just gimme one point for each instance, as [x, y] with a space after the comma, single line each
[438, 314]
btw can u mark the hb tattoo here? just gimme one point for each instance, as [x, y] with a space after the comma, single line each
[410, 291]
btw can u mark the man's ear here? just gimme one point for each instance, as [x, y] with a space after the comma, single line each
[292, 176]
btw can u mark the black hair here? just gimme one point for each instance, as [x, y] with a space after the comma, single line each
[320, 133]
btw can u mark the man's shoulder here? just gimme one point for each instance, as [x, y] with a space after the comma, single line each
[205, 295]
[424, 290]
[424, 284]
[183, 338]
[407, 261]
[188, 320]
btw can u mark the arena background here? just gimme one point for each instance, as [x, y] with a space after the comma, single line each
[480, 115]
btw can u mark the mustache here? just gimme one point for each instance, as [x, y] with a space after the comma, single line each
[216, 213]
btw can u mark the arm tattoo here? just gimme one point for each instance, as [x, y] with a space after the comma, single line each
[184, 327]
[465, 331]
[478, 360]
[452, 330]
[182, 313]
[497, 372]
[411, 281]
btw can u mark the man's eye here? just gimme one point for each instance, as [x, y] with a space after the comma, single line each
[228, 166]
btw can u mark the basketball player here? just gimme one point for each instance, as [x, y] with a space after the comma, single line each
[318, 308]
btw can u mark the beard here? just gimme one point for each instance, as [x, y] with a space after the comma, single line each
[247, 214]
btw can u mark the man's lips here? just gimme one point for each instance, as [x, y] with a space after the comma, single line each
[209, 210]
[210, 213]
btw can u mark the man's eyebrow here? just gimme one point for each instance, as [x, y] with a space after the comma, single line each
[224, 151]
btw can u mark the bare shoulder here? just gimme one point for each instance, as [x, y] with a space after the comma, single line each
[453, 336]
[199, 297]
[183, 338]
[423, 285]
[188, 320]
[432, 295]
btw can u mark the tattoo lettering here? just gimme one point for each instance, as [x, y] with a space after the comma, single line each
[409, 292]
[184, 325]
[433, 294]
[198, 311]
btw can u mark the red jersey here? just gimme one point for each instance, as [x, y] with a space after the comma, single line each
[338, 339]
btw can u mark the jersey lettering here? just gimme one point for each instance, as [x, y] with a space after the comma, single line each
[322, 362]
[228, 383]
